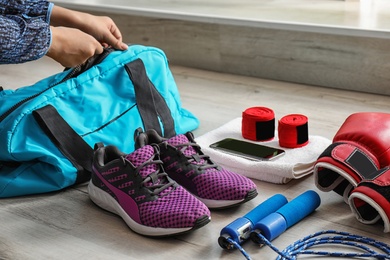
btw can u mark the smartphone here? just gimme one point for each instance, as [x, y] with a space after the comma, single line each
[251, 151]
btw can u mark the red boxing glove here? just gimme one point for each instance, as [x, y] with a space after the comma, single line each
[360, 147]
[370, 200]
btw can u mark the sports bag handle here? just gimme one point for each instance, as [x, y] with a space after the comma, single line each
[78, 152]
[94, 60]
[151, 105]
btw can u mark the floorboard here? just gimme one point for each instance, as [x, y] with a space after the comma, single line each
[67, 225]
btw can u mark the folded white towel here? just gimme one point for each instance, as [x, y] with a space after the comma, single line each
[296, 163]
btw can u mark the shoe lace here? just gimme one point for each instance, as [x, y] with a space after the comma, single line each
[157, 181]
[195, 156]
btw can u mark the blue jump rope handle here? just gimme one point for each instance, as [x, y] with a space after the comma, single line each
[240, 229]
[279, 221]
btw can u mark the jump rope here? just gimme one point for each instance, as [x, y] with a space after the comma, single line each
[275, 215]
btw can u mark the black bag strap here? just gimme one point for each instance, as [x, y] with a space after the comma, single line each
[151, 104]
[66, 140]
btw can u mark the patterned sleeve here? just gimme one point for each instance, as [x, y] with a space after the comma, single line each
[32, 8]
[25, 31]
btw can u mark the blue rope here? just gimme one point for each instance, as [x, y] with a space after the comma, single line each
[328, 237]
[237, 245]
[341, 238]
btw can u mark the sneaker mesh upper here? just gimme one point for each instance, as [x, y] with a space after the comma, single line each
[173, 207]
[214, 183]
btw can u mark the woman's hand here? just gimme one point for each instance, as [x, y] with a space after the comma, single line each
[77, 36]
[71, 47]
[104, 30]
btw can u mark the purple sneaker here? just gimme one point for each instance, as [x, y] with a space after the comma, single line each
[136, 188]
[190, 167]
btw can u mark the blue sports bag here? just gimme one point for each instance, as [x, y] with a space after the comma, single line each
[47, 130]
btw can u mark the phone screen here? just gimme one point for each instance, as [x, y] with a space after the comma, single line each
[247, 150]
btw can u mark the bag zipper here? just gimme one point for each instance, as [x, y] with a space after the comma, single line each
[21, 102]
[73, 73]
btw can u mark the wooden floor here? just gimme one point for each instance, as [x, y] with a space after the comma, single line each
[67, 225]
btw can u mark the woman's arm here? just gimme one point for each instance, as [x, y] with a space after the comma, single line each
[23, 39]
[31, 8]
[73, 38]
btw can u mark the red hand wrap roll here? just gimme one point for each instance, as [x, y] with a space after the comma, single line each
[293, 131]
[258, 124]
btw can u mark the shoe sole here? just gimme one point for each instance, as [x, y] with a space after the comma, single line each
[107, 202]
[223, 204]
